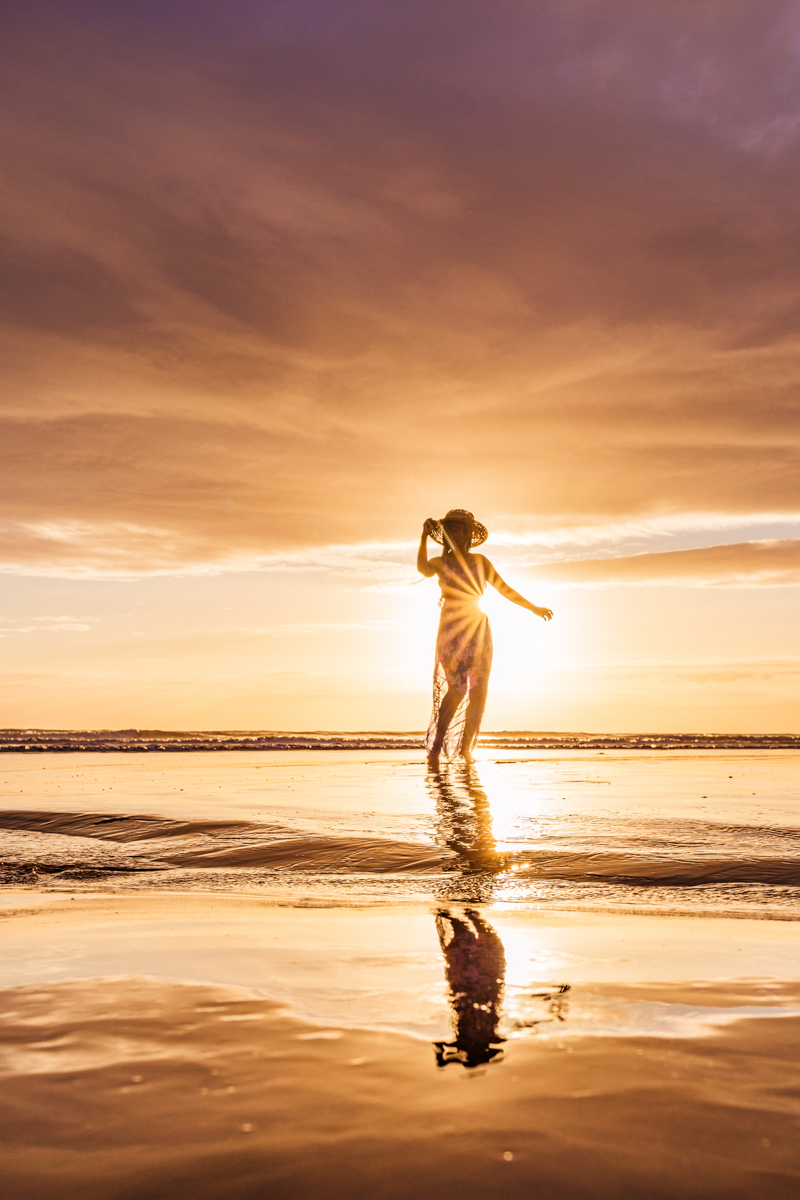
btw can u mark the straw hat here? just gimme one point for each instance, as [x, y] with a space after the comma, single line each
[479, 532]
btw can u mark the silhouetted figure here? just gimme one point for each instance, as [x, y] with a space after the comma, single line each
[475, 968]
[464, 640]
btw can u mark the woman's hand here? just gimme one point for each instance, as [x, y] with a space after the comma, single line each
[545, 613]
[429, 526]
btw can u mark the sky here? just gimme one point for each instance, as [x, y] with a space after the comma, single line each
[281, 280]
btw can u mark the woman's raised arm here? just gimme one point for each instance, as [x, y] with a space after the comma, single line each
[423, 564]
[494, 579]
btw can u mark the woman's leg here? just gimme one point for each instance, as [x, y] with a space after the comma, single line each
[452, 699]
[475, 709]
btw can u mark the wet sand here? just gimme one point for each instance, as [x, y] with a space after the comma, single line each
[635, 1056]
[192, 1090]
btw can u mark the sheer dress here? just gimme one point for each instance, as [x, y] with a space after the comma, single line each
[463, 643]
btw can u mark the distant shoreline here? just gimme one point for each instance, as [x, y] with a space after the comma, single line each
[22, 741]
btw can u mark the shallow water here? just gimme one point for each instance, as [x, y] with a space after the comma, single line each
[684, 831]
[308, 954]
[522, 970]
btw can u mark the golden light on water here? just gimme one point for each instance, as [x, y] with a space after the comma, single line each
[507, 803]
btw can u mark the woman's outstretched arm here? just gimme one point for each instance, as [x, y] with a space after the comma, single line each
[423, 564]
[494, 579]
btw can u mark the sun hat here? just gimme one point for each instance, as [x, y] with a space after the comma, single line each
[479, 532]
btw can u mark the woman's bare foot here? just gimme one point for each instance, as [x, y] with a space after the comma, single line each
[433, 755]
[468, 756]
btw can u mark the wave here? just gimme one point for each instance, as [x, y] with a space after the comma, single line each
[238, 848]
[372, 855]
[651, 871]
[119, 827]
[143, 740]
[375, 855]
[246, 845]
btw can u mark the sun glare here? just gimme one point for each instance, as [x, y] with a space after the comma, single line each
[520, 650]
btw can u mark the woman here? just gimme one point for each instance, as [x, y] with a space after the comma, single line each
[464, 640]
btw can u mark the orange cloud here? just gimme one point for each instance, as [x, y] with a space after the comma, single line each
[281, 276]
[742, 563]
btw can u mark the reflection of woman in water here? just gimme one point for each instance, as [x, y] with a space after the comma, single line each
[464, 640]
[475, 968]
[464, 825]
[473, 953]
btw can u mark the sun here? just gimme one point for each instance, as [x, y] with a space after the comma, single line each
[517, 658]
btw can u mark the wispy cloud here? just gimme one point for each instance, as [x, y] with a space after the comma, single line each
[742, 564]
[103, 549]
[303, 628]
[60, 624]
[673, 525]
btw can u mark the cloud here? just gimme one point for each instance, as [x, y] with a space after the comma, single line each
[108, 549]
[59, 624]
[748, 564]
[301, 628]
[288, 275]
